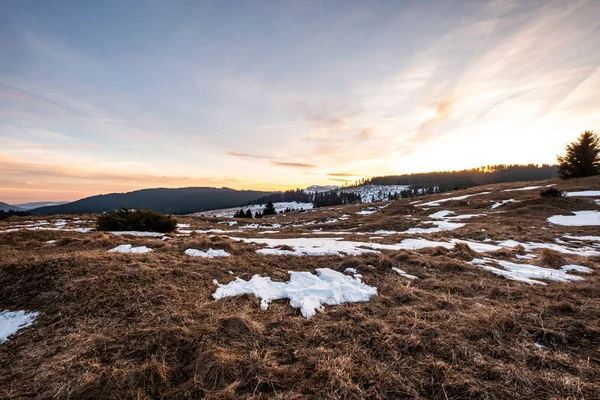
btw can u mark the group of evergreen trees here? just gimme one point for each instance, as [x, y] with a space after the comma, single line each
[243, 214]
[297, 195]
[413, 192]
[333, 198]
[268, 210]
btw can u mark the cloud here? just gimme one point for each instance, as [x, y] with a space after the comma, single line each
[293, 164]
[240, 154]
[341, 180]
[366, 133]
[341, 174]
[442, 112]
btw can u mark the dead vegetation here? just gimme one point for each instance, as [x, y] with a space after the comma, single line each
[115, 326]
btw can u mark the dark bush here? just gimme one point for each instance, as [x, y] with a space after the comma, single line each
[135, 220]
[551, 192]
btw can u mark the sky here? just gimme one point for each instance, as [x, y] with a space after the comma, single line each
[113, 96]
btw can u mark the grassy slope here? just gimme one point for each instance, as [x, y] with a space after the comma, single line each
[145, 326]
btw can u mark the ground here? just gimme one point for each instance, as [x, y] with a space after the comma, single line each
[146, 326]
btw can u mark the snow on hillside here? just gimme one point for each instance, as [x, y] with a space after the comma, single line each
[368, 193]
[373, 193]
[320, 189]
[280, 206]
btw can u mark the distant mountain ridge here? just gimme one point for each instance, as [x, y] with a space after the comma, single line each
[7, 207]
[172, 201]
[37, 204]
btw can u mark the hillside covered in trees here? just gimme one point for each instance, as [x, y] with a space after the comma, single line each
[450, 180]
[171, 201]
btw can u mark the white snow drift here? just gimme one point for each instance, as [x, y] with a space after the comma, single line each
[129, 249]
[306, 291]
[584, 193]
[210, 253]
[581, 218]
[530, 273]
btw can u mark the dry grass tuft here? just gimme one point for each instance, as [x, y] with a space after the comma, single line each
[551, 258]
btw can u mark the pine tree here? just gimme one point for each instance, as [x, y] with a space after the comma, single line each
[248, 214]
[582, 158]
[269, 209]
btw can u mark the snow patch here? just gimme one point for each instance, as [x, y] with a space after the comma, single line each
[404, 274]
[367, 211]
[306, 291]
[137, 233]
[584, 193]
[529, 246]
[503, 202]
[530, 273]
[210, 253]
[581, 218]
[439, 227]
[436, 203]
[127, 248]
[12, 321]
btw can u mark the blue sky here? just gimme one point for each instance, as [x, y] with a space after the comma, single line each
[110, 96]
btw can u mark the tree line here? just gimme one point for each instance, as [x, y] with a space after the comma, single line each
[297, 195]
[451, 180]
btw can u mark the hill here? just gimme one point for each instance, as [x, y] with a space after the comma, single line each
[7, 207]
[463, 179]
[485, 293]
[172, 201]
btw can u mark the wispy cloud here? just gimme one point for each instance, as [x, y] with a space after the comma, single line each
[341, 174]
[293, 164]
[241, 154]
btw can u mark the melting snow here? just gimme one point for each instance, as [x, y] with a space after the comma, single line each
[439, 227]
[523, 188]
[530, 273]
[581, 218]
[404, 274]
[12, 321]
[503, 202]
[367, 211]
[306, 291]
[585, 193]
[210, 253]
[322, 246]
[436, 203]
[127, 248]
[529, 246]
[417, 244]
[588, 238]
[137, 233]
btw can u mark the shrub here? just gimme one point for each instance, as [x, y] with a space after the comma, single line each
[135, 220]
[551, 192]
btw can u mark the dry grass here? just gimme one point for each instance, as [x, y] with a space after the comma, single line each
[145, 326]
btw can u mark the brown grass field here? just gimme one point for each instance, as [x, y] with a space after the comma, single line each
[144, 326]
